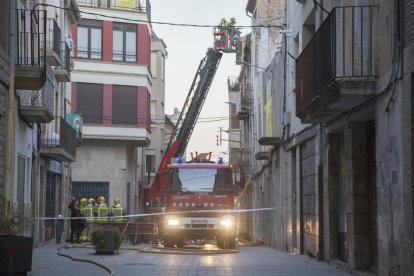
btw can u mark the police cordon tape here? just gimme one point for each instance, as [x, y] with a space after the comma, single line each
[167, 213]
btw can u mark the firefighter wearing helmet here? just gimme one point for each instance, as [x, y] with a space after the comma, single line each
[89, 210]
[83, 202]
[102, 209]
[117, 210]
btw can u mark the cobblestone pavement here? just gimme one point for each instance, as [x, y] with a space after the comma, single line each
[248, 261]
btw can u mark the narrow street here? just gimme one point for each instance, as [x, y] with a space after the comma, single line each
[259, 260]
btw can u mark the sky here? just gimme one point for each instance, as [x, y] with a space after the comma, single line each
[186, 46]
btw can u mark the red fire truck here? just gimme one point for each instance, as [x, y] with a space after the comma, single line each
[199, 187]
[199, 193]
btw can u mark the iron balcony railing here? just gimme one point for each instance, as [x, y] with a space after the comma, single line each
[53, 36]
[246, 96]
[342, 48]
[65, 58]
[40, 98]
[31, 38]
[138, 5]
[65, 138]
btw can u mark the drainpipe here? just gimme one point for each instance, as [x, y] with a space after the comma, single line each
[11, 103]
[319, 141]
[62, 38]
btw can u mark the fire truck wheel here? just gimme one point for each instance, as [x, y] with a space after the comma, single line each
[169, 241]
[180, 242]
[231, 242]
[226, 241]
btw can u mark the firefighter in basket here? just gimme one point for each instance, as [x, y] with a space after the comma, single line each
[232, 32]
[117, 211]
[102, 209]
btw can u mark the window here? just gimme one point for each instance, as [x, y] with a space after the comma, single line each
[124, 42]
[21, 180]
[154, 64]
[90, 39]
[90, 102]
[153, 112]
[124, 105]
[150, 163]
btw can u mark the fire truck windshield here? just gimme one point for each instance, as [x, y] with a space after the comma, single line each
[199, 180]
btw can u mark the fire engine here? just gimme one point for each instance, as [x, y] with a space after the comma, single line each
[199, 201]
[196, 196]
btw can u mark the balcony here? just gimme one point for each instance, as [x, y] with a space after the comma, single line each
[244, 104]
[37, 106]
[62, 73]
[60, 145]
[336, 71]
[30, 71]
[143, 6]
[53, 42]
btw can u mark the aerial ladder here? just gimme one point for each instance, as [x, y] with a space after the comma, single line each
[226, 40]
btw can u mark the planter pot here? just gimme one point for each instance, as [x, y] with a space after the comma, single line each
[108, 247]
[15, 255]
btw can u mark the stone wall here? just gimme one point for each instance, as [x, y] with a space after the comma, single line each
[4, 82]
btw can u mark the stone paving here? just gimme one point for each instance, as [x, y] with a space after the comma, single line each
[248, 261]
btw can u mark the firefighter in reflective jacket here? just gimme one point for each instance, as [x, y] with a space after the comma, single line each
[102, 209]
[89, 210]
[117, 210]
[82, 204]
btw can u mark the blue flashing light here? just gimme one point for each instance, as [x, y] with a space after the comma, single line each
[178, 160]
[220, 160]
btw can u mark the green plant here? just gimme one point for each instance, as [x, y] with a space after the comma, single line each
[98, 236]
[12, 222]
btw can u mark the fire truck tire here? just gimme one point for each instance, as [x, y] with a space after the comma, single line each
[169, 241]
[180, 242]
[231, 242]
[226, 241]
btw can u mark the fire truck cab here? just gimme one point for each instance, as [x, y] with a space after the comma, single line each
[199, 203]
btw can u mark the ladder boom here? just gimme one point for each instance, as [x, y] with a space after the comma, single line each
[186, 121]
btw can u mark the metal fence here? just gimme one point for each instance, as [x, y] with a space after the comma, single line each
[31, 38]
[343, 47]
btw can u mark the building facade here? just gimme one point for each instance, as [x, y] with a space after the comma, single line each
[111, 88]
[331, 132]
[41, 143]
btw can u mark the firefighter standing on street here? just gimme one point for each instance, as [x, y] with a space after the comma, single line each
[117, 210]
[102, 209]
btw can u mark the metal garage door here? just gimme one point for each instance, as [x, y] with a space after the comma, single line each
[90, 189]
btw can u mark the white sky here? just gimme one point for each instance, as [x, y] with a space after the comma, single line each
[186, 46]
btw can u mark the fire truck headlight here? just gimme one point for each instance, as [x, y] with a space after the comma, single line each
[173, 222]
[226, 223]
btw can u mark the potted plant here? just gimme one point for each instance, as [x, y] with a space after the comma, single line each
[106, 239]
[15, 249]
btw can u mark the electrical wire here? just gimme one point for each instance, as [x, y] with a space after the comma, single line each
[160, 22]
